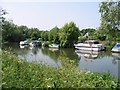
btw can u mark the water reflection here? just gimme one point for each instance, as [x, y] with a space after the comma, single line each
[98, 62]
[116, 59]
[87, 54]
[117, 55]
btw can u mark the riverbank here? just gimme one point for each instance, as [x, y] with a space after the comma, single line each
[21, 74]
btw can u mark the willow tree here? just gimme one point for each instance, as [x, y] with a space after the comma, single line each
[68, 34]
[110, 18]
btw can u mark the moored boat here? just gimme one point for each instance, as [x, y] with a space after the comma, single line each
[35, 43]
[116, 48]
[90, 45]
[54, 46]
[24, 42]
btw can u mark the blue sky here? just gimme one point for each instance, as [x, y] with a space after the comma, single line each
[46, 15]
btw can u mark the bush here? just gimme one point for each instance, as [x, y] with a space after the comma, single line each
[21, 74]
[46, 44]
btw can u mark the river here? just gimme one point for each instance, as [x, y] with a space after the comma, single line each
[95, 62]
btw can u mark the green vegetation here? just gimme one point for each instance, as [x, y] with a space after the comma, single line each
[46, 44]
[110, 20]
[54, 35]
[69, 35]
[14, 33]
[21, 74]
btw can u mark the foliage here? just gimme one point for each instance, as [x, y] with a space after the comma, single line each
[14, 33]
[21, 74]
[68, 35]
[46, 44]
[54, 35]
[110, 19]
[82, 39]
[2, 13]
[11, 33]
[83, 34]
[109, 44]
[90, 31]
[44, 35]
[35, 33]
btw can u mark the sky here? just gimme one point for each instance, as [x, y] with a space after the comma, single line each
[46, 15]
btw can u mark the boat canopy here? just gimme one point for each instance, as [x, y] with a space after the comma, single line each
[117, 45]
[92, 41]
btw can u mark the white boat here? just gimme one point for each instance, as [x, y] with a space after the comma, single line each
[34, 43]
[116, 48]
[90, 45]
[24, 42]
[23, 46]
[54, 46]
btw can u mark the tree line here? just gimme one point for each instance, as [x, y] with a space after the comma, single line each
[69, 33]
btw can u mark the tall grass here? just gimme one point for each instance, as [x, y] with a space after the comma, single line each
[21, 74]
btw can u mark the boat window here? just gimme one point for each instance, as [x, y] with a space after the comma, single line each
[96, 42]
[118, 45]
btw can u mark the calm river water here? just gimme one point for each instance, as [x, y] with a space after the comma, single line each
[94, 62]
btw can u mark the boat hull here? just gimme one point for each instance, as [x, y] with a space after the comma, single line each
[53, 46]
[23, 43]
[116, 50]
[89, 48]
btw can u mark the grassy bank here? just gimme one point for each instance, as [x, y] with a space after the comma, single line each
[21, 74]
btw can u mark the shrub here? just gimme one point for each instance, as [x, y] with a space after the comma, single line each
[21, 74]
[46, 44]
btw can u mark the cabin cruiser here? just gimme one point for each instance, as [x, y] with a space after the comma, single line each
[24, 42]
[54, 46]
[116, 48]
[90, 45]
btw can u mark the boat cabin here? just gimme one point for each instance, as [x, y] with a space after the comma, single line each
[92, 42]
[117, 45]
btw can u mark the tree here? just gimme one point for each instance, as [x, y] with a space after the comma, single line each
[24, 31]
[2, 19]
[68, 35]
[110, 18]
[11, 33]
[35, 34]
[44, 35]
[54, 35]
